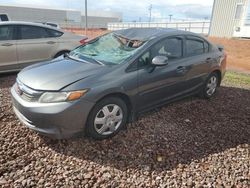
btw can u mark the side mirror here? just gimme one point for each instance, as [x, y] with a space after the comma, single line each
[160, 61]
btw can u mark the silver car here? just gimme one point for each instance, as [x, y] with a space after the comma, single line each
[23, 43]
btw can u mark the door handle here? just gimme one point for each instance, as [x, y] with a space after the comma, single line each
[7, 44]
[51, 42]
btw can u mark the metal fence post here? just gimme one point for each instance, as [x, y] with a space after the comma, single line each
[203, 25]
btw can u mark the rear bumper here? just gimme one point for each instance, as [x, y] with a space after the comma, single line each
[56, 120]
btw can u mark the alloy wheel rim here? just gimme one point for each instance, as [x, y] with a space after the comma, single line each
[211, 85]
[108, 119]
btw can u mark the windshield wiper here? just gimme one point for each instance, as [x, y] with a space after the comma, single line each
[97, 61]
[75, 58]
[81, 60]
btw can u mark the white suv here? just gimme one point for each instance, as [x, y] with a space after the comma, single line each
[24, 43]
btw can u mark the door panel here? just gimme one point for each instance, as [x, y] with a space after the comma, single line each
[34, 45]
[8, 54]
[35, 50]
[200, 60]
[157, 84]
[164, 83]
[199, 70]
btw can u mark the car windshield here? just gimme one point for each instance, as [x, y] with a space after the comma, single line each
[107, 49]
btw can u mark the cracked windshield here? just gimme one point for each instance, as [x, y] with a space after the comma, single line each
[108, 49]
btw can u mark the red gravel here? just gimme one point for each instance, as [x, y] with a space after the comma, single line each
[190, 143]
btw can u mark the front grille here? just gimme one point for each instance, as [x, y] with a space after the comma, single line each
[27, 93]
[29, 98]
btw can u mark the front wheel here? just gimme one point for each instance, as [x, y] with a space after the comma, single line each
[107, 118]
[210, 86]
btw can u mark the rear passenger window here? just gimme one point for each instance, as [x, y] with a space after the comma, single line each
[194, 47]
[6, 32]
[172, 48]
[54, 33]
[33, 32]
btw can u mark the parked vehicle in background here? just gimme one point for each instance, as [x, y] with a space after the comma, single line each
[24, 43]
[101, 85]
[4, 18]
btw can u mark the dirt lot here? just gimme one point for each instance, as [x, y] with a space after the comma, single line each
[91, 33]
[190, 143]
[238, 51]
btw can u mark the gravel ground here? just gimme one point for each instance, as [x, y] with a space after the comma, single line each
[190, 143]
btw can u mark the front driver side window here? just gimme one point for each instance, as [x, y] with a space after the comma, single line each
[144, 60]
[170, 47]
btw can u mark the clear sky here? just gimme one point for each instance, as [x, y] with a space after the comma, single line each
[133, 9]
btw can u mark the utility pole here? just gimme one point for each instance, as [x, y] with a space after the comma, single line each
[86, 17]
[170, 17]
[150, 10]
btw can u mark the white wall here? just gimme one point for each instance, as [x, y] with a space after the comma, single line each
[223, 22]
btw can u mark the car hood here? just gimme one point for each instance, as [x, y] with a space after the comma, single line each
[57, 74]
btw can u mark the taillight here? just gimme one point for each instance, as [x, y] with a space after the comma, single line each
[83, 41]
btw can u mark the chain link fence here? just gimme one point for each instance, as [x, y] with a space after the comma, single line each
[196, 27]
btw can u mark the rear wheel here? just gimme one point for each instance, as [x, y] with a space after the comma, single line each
[107, 118]
[210, 87]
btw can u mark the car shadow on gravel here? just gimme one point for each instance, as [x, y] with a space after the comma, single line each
[176, 134]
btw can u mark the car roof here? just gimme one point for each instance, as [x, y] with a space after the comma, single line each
[145, 34]
[28, 23]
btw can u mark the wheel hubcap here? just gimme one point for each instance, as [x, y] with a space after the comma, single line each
[211, 85]
[108, 119]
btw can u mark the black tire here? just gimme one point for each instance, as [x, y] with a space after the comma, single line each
[91, 127]
[60, 53]
[204, 92]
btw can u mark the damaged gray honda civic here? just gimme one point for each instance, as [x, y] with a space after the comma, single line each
[100, 86]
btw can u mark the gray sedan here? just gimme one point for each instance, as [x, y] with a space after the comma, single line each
[100, 86]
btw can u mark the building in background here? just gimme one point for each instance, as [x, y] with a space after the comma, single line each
[230, 18]
[65, 18]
